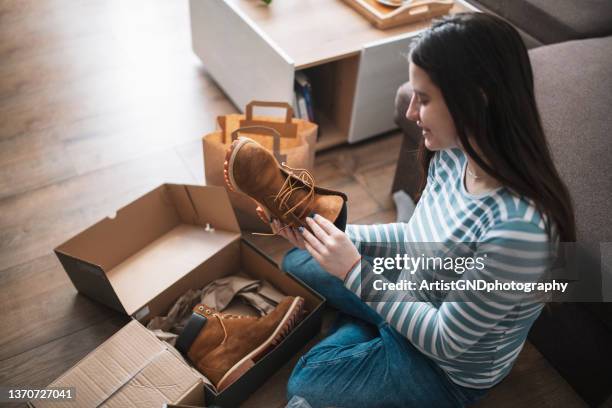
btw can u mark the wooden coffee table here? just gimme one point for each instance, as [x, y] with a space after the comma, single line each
[253, 51]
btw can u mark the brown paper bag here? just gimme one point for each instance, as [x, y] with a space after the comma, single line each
[297, 144]
[296, 148]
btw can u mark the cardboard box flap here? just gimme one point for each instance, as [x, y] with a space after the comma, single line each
[160, 381]
[130, 258]
[211, 205]
[132, 368]
[111, 240]
[153, 269]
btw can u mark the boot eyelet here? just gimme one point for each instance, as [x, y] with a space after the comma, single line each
[200, 308]
[207, 311]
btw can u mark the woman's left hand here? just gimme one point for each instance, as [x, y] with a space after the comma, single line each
[330, 247]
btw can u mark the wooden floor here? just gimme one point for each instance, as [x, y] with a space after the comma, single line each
[101, 101]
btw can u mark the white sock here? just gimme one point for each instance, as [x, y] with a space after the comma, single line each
[404, 205]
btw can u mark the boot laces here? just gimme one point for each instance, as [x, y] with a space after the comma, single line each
[289, 187]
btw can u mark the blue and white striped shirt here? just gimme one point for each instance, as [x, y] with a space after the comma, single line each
[475, 341]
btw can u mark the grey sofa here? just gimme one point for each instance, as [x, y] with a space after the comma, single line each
[554, 21]
[573, 81]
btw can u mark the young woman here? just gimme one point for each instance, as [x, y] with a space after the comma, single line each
[488, 178]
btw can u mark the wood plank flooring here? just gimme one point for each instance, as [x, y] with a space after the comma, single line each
[101, 101]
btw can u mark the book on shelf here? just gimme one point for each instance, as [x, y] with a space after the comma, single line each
[303, 86]
[302, 108]
[295, 105]
[303, 103]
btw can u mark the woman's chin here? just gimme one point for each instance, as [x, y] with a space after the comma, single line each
[434, 144]
[431, 144]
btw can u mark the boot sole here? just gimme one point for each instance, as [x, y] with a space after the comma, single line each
[284, 327]
[228, 165]
[228, 173]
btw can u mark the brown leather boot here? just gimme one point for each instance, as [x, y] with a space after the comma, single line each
[229, 345]
[285, 193]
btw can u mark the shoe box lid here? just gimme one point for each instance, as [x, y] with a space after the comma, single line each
[154, 374]
[140, 259]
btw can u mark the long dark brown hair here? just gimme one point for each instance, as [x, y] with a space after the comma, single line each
[482, 68]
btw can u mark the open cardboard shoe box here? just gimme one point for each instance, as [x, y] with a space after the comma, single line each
[174, 238]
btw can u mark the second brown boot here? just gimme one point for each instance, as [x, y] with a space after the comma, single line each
[228, 345]
[284, 193]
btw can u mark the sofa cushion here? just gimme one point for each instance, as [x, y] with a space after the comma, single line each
[573, 86]
[573, 81]
[552, 21]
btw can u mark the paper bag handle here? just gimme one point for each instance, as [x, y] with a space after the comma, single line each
[268, 131]
[250, 105]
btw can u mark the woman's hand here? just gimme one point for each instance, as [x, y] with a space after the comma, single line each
[331, 247]
[290, 234]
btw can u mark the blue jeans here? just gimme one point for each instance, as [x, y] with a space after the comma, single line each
[364, 362]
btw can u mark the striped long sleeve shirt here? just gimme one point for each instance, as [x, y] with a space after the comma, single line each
[474, 337]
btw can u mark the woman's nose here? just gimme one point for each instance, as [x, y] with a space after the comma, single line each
[412, 113]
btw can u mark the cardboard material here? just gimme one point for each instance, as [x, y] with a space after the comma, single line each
[296, 148]
[149, 246]
[131, 369]
[297, 139]
[139, 261]
[259, 266]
